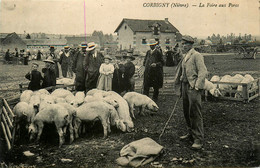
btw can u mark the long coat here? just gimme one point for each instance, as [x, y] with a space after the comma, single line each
[79, 69]
[128, 76]
[49, 78]
[92, 67]
[35, 78]
[153, 76]
[169, 58]
[118, 80]
[55, 59]
[65, 62]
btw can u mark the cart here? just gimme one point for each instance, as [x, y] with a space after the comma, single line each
[246, 51]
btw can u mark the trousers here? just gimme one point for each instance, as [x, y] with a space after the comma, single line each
[192, 111]
[155, 92]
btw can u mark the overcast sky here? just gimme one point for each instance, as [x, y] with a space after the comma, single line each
[67, 16]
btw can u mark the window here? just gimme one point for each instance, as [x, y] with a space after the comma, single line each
[156, 30]
[167, 41]
[125, 27]
[144, 41]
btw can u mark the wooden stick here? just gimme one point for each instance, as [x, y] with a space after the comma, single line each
[6, 127]
[169, 118]
[7, 117]
[8, 107]
[6, 138]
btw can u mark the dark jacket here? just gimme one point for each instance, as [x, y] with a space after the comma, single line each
[49, 77]
[78, 68]
[39, 55]
[128, 76]
[55, 59]
[153, 76]
[118, 80]
[92, 67]
[64, 60]
[35, 78]
[7, 56]
[169, 58]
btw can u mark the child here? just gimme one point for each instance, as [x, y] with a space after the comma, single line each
[35, 78]
[106, 71]
[49, 73]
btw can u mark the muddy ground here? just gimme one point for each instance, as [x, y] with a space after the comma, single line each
[231, 131]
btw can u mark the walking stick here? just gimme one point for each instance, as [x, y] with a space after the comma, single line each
[169, 119]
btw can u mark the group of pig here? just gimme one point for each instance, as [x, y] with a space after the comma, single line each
[67, 111]
[229, 83]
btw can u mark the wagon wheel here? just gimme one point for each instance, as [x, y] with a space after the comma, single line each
[240, 51]
[255, 52]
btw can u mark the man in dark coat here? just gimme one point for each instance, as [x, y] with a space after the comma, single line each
[55, 59]
[39, 55]
[129, 72]
[118, 80]
[93, 62]
[26, 57]
[49, 78]
[35, 78]
[79, 68]
[16, 52]
[169, 57]
[7, 56]
[65, 61]
[153, 73]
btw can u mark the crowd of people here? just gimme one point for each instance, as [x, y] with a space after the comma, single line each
[94, 70]
[22, 57]
[91, 69]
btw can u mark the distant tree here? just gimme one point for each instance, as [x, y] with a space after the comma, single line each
[28, 36]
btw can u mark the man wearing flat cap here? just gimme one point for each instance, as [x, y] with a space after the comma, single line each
[79, 68]
[153, 73]
[65, 60]
[191, 75]
[93, 62]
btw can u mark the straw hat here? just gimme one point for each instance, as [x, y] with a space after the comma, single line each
[153, 42]
[49, 59]
[91, 46]
[84, 45]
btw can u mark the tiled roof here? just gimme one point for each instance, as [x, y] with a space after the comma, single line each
[146, 25]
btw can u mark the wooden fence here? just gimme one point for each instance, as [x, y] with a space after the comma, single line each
[7, 119]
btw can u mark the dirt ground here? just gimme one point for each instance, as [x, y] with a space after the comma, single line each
[231, 130]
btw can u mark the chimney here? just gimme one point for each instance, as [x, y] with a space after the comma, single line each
[166, 19]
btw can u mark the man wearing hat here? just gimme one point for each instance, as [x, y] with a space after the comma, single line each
[191, 76]
[153, 73]
[35, 78]
[129, 72]
[79, 67]
[55, 59]
[65, 61]
[49, 78]
[93, 62]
